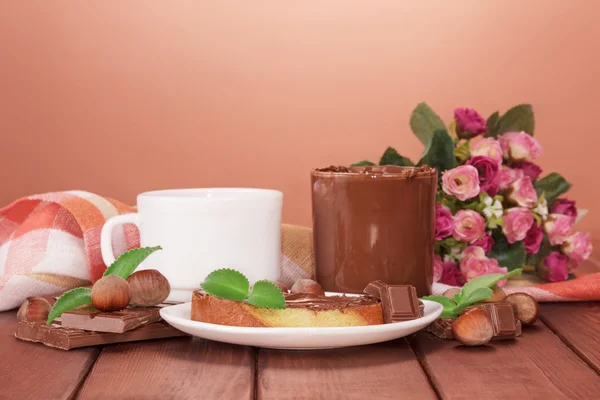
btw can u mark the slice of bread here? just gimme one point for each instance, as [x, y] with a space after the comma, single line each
[302, 310]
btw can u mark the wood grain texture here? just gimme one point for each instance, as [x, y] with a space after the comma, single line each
[383, 371]
[578, 325]
[34, 371]
[537, 365]
[182, 368]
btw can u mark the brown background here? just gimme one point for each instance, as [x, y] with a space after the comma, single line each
[122, 97]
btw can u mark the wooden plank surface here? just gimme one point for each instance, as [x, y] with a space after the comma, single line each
[383, 371]
[182, 368]
[33, 371]
[537, 365]
[578, 325]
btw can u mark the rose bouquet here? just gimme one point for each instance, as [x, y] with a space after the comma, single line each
[494, 211]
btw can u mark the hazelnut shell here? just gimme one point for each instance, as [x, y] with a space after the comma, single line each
[307, 286]
[110, 293]
[34, 309]
[148, 287]
[525, 307]
[473, 328]
[497, 297]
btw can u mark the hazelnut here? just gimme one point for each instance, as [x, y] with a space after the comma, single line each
[473, 328]
[497, 296]
[34, 309]
[284, 288]
[308, 286]
[148, 287]
[450, 293]
[526, 308]
[110, 293]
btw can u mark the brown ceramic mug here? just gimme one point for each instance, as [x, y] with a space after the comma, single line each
[373, 223]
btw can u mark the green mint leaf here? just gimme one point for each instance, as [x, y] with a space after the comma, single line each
[226, 283]
[517, 119]
[129, 261]
[439, 152]
[267, 295]
[392, 157]
[448, 304]
[478, 294]
[511, 256]
[484, 281]
[68, 301]
[492, 123]
[363, 163]
[424, 121]
[552, 185]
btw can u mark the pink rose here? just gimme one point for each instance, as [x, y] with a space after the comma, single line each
[555, 267]
[506, 176]
[444, 223]
[516, 222]
[469, 226]
[533, 239]
[469, 123]
[488, 147]
[564, 206]
[473, 267]
[452, 275]
[462, 182]
[578, 246]
[519, 146]
[529, 169]
[438, 268]
[558, 227]
[522, 193]
[486, 242]
[487, 170]
[472, 252]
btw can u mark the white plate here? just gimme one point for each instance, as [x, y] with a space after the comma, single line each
[298, 338]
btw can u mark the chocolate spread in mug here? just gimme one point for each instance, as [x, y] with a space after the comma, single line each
[374, 223]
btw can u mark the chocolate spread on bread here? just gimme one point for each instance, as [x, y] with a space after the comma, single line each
[373, 223]
[322, 303]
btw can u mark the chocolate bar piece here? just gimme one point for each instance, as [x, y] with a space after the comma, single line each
[399, 302]
[90, 319]
[67, 338]
[442, 328]
[375, 288]
[503, 319]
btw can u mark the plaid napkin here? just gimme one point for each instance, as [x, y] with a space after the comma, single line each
[50, 243]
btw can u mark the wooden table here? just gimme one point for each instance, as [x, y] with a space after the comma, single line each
[557, 358]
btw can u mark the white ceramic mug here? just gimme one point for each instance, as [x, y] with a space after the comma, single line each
[201, 230]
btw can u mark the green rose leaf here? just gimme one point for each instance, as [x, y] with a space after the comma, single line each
[267, 295]
[545, 249]
[476, 295]
[68, 301]
[517, 119]
[363, 163]
[129, 261]
[391, 157]
[484, 281]
[511, 256]
[226, 283]
[439, 152]
[448, 304]
[492, 124]
[424, 122]
[552, 185]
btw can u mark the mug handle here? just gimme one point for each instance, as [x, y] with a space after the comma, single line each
[106, 235]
